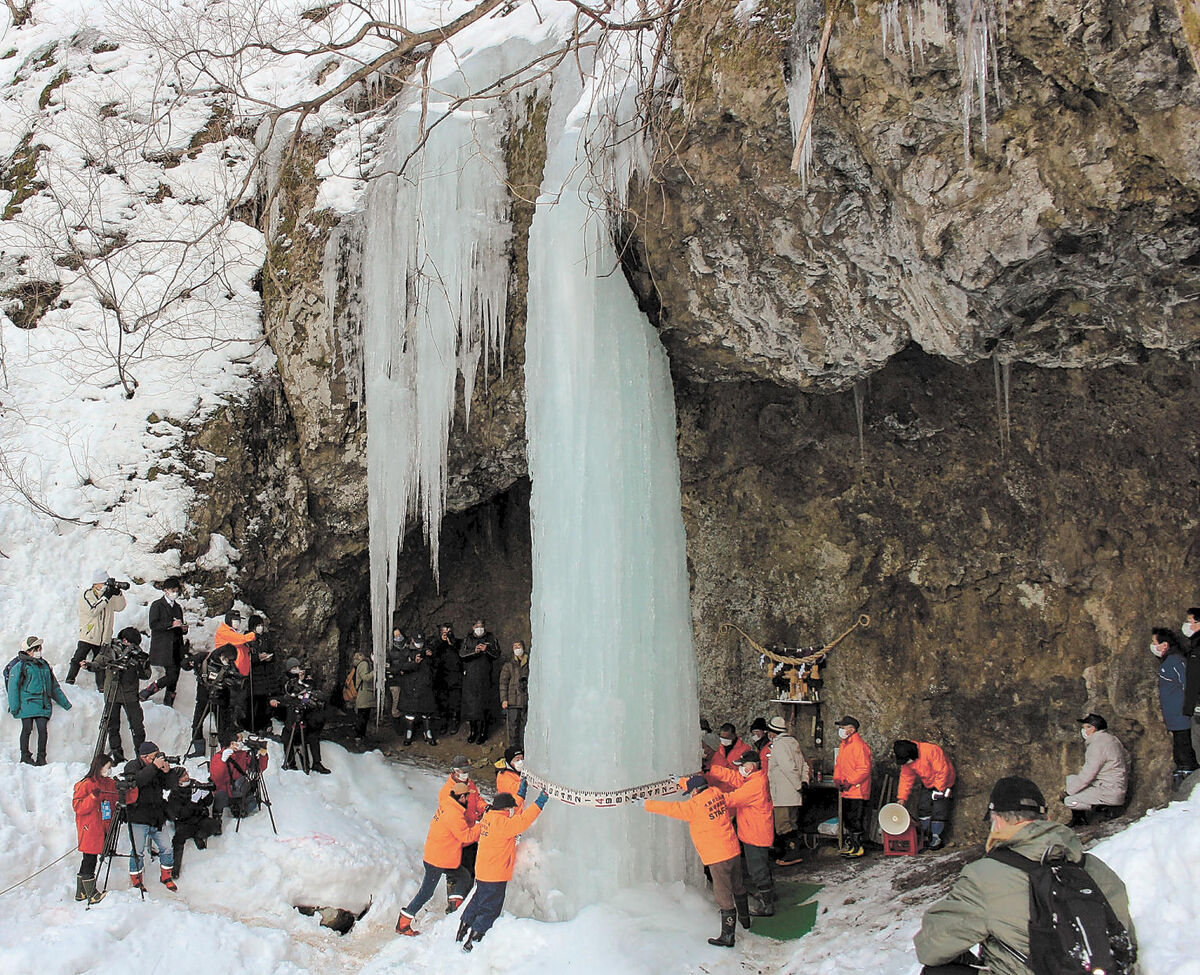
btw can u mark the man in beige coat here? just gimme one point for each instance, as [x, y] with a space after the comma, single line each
[787, 772]
[1105, 773]
[98, 607]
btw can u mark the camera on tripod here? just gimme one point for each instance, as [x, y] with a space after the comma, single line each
[126, 655]
[225, 675]
[114, 586]
[125, 784]
[254, 744]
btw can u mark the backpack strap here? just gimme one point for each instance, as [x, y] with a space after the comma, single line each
[1011, 858]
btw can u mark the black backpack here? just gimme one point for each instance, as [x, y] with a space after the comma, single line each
[1073, 929]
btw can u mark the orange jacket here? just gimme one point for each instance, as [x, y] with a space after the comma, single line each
[476, 806]
[852, 768]
[498, 842]
[708, 821]
[448, 834]
[227, 636]
[750, 798]
[723, 758]
[932, 767]
[509, 780]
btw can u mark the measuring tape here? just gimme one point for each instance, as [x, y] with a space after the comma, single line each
[603, 800]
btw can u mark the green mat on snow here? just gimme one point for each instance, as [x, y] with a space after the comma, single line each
[795, 913]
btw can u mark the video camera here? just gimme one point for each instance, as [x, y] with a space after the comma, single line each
[254, 744]
[123, 656]
[125, 783]
[222, 675]
[114, 586]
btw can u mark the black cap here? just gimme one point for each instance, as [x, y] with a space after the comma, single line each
[696, 782]
[504, 800]
[1015, 794]
[1095, 720]
[131, 636]
[748, 756]
[852, 722]
[512, 752]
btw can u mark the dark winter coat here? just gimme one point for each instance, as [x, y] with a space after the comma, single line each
[33, 689]
[122, 683]
[265, 675]
[416, 683]
[166, 641]
[150, 808]
[396, 654]
[1191, 688]
[478, 689]
[448, 666]
[1172, 671]
[514, 682]
[190, 818]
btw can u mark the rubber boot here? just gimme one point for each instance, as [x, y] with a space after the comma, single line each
[89, 889]
[408, 731]
[135, 881]
[80, 893]
[472, 937]
[453, 903]
[463, 928]
[766, 900]
[728, 925]
[791, 851]
[404, 926]
[165, 878]
[177, 853]
[742, 903]
[473, 737]
[429, 733]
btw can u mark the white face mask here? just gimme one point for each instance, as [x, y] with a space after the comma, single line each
[479, 631]
[170, 597]
[1158, 651]
[1084, 732]
[1188, 629]
[746, 770]
[518, 763]
[258, 629]
[36, 654]
[843, 733]
[518, 652]
[461, 776]
[726, 742]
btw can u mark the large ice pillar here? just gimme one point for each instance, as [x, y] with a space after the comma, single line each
[613, 677]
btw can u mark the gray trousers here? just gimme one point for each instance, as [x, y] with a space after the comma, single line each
[727, 882]
[514, 723]
[758, 866]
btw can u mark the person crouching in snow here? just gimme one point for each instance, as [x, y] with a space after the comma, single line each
[449, 832]
[190, 811]
[501, 826]
[749, 799]
[95, 803]
[707, 815]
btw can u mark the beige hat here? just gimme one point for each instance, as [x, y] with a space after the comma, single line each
[777, 724]
[32, 643]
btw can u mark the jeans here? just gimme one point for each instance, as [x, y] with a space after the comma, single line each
[143, 835]
[27, 726]
[457, 880]
[485, 905]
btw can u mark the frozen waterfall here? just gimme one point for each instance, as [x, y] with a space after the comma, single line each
[613, 675]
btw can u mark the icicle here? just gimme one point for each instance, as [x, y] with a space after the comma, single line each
[859, 408]
[802, 52]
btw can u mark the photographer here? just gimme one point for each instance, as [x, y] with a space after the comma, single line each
[417, 702]
[230, 772]
[265, 680]
[148, 813]
[124, 664]
[95, 803]
[218, 686]
[304, 722]
[98, 607]
[166, 642]
[189, 807]
[32, 693]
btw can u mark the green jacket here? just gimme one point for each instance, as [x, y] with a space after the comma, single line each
[990, 901]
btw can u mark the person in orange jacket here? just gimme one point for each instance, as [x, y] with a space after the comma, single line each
[460, 772]
[227, 636]
[750, 802]
[852, 776]
[448, 833]
[508, 773]
[706, 812]
[731, 748]
[920, 760]
[501, 826]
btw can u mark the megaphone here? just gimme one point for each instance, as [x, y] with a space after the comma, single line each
[894, 819]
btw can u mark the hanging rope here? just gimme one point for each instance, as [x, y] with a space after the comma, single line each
[36, 872]
[807, 656]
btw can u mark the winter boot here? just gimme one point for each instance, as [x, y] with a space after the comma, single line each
[89, 889]
[197, 749]
[936, 828]
[165, 878]
[742, 903]
[463, 928]
[169, 699]
[40, 760]
[429, 734]
[80, 893]
[135, 881]
[791, 851]
[148, 691]
[764, 904]
[453, 903]
[473, 936]
[1078, 818]
[404, 926]
[728, 925]
[408, 730]
[177, 852]
[26, 759]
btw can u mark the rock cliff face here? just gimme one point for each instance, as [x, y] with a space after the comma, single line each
[1012, 561]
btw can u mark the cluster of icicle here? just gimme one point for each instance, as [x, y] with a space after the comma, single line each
[908, 27]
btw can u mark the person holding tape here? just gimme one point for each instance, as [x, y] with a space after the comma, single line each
[749, 799]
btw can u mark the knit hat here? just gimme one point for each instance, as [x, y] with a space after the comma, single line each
[99, 576]
[1015, 794]
[750, 756]
[777, 724]
[504, 800]
[147, 748]
[696, 782]
[31, 643]
[291, 664]
[459, 762]
[512, 752]
[1095, 720]
[710, 741]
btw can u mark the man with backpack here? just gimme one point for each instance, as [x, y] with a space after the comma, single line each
[1006, 901]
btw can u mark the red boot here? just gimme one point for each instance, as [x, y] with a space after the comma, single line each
[404, 926]
[135, 881]
[166, 879]
[453, 904]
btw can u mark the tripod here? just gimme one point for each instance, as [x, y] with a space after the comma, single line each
[302, 746]
[120, 817]
[216, 705]
[110, 700]
[258, 788]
